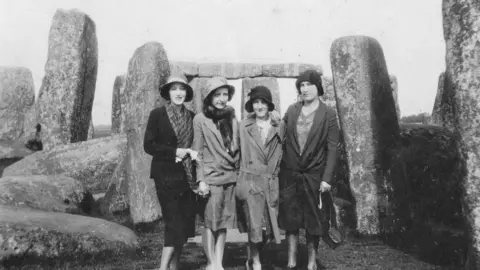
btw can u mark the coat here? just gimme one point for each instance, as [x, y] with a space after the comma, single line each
[161, 142]
[301, 173]
[216, 166]
[257, 184]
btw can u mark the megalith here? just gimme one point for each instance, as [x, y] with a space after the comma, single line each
[17, 96]
[118, 101]
[270, 82]
[147, 70]
[461, 29]
[368, 121]
[442, 113]
[394, 85]
[66, 95]
[199, 86]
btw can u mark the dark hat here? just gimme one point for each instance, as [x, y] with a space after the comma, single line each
[177, 78]
[311, 76]
[259, 92]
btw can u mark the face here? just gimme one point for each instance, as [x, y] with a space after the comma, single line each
[308, 91]
[220, 98]
[177, 92]
[260, 107]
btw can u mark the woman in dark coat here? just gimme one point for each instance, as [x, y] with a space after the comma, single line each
[168, 138]
[310, 153]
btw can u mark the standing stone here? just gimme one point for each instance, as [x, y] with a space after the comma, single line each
[91, 130]
[147, 70]
[369, 125]
[68, 88]
[271, 83]
[190, 69]
[199, 86]
[329, 93]
[442, 113]
[461, 28]
[17, 96]
[118, 102]
[394, 85]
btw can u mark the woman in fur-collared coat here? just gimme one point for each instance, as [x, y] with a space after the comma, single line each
[308, 163]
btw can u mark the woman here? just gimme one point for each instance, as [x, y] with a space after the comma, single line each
[257, 187]
[216, 141]
[168, 138]
[307, 166]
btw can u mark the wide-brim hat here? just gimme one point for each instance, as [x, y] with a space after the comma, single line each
[217, 82]
[176, 78]
[259, 92]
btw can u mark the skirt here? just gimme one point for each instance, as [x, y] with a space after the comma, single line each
[178, 210]
[219, 208]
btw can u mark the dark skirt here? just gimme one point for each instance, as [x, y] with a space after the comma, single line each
[178, 210]
[298, 209]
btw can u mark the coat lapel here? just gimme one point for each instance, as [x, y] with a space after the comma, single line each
[214, 130]
[272, 141]
[292, 122]
[253, 132]
[318, 120]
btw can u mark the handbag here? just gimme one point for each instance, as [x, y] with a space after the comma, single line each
[334, 237]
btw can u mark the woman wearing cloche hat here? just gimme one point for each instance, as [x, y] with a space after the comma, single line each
[217, 143]
[308, 161]
[257, 185]
[168, 138]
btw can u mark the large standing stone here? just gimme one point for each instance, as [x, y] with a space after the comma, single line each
[366, 109]
[68, 88]
[271, 83]
[461, 28]
[91, 162]
[394, 85]
[199, 86]
[17, 95]
[118, 102]
[56, 193]
[147, 70]
[442, 113]
[91, 130]
[329, 93]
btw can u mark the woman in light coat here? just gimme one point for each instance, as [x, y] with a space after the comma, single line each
[217, 144]
[257, 186]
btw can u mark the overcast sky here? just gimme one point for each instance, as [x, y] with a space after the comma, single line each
[410, 32]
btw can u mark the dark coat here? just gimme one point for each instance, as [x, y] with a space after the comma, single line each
[161, 142]
[301, 173]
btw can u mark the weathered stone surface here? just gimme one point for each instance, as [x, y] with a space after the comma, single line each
[290, 70]
[17, 96]
[91, 162]
[230, 70]
[271, 83]
[55, 193]
[39, 235]
[329, 93]
[116, 198]
[190, 69]
[367, 116]
[442, 113]
[65, 99]
[147, 70]
[461, 29]
[394, 85]
[118, 101]
[91, 130]
[199, 86]
[13, 149]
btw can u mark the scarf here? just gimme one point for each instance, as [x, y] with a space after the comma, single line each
[182, 123]
[223, 119]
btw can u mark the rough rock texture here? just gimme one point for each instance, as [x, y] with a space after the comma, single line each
[369, 125]
[65, 99]
[17, 95]
[190, 69]
[91, 130]
[394, 85]
[115, 202]
[461, 28]
[329, 93]
[37, 235]
[13, 149]
[291, 70]
[271, 83]
[57, 193]
[443, 108]
[199, 86]
[229, 70]
[118, 102]
[91, 162]
[147, 70]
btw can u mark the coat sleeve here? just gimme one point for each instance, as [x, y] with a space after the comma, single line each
[198, 141]
[332, 142]
[151, 145]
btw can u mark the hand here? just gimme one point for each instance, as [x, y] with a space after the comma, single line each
[193, 154]
[181, 153]
[203, 189]
[324, 186]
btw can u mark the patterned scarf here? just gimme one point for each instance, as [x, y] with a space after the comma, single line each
[182, 124]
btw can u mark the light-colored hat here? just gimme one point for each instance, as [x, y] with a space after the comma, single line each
[216, 82]
[176, 78]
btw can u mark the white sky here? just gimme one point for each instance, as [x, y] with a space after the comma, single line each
[410, 32]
